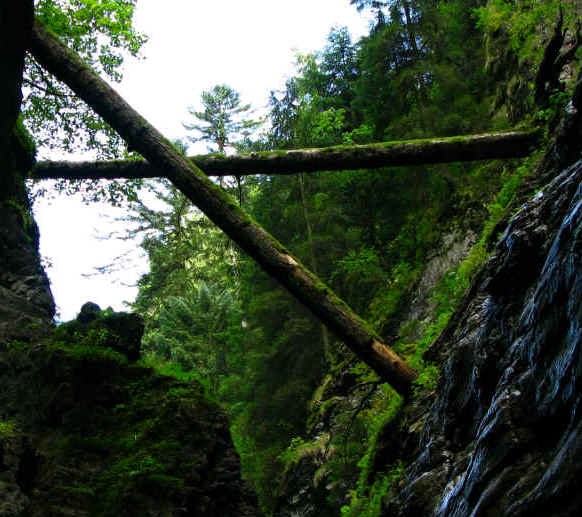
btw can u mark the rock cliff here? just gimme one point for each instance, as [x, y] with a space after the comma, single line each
[85, 429]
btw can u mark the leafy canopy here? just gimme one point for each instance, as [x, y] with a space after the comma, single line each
[101, 32]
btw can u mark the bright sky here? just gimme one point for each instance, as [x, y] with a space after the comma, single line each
[193, 45]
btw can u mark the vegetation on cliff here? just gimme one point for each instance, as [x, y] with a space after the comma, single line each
[106, 435]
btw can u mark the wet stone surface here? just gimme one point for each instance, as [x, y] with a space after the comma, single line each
[504, 434]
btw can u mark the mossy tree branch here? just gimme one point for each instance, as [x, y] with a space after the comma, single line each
[221, 209]
[487, 146]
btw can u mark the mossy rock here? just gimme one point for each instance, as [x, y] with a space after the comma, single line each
[119, 331]
[110, 437]
[24, 145]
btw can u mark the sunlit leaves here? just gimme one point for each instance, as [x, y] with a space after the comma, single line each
[101, 32]
[526, 22]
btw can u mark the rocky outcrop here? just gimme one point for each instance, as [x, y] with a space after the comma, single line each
[120, 331]
[26, 303]
[87, 431]
[505, 431]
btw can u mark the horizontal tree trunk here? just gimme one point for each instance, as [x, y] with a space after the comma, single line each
[487, 146]
[221, 209]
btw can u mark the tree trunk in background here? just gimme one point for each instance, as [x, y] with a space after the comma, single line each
[312, 257]
[488, 146]
[26, 304]
[221, 209]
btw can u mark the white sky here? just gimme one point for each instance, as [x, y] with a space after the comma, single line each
[193, 45]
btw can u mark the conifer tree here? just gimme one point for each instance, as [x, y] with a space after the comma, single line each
[222, 121]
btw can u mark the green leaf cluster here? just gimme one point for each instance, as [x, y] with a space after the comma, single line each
[101, 32]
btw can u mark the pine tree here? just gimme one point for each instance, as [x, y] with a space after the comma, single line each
[222, 120]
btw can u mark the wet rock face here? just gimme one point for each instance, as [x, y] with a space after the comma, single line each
[504, 436]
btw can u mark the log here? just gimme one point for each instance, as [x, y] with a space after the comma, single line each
[275, 259]
[488, 146]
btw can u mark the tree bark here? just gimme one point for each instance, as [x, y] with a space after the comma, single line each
[15, 25]
[221, 209]
[488, 146]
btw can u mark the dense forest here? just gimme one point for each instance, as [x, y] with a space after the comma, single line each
[316, 426]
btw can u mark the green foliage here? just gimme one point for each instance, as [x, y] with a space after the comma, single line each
[517, 36]
[142, 437]
[422, 70]
[170, 369]
[91, 353]
[374, 482]
[25, 215]
[8, 428]
[195, 331]
[222, 119]
[454, 283]
[315, 108]
[215, 316]
[525, 23]
[101, 32]
[369, 503]
[26, 146]
[299, 449]
[354, 445]
[557, 101]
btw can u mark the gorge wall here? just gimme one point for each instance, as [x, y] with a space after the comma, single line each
[85, 430]
[504, 431]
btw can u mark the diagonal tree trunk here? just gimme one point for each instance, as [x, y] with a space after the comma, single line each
[221, 209]
[488, 146]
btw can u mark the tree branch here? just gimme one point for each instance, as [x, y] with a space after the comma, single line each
[221, 209]
[486, 146]
[49, 89]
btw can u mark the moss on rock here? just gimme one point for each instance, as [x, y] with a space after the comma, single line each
[110, 437]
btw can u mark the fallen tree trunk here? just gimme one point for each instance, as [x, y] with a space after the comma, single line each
[487, 146]
[221, 209]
